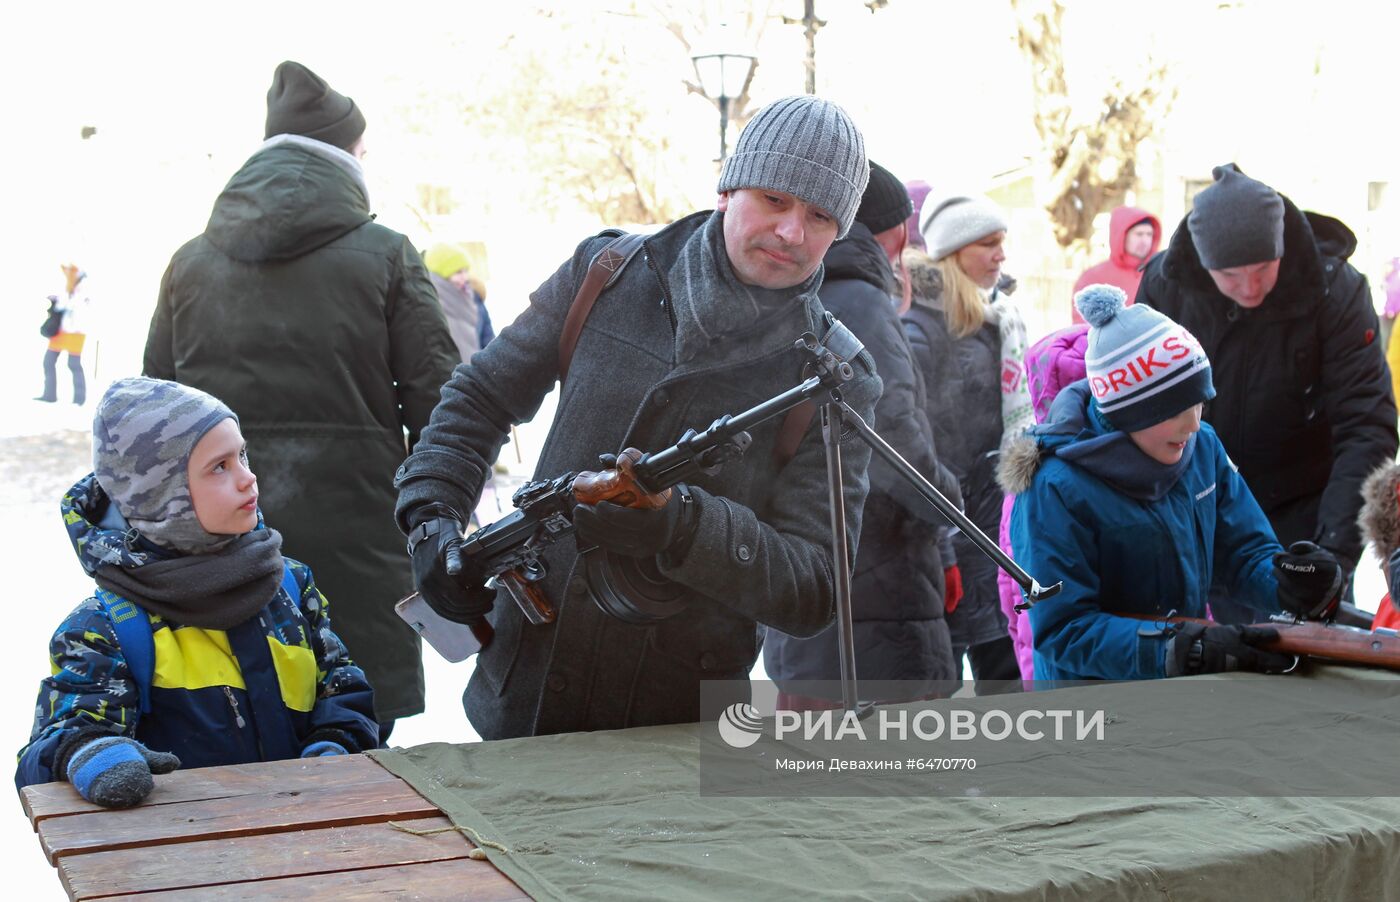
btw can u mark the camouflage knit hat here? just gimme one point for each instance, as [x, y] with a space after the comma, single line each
[142, 437]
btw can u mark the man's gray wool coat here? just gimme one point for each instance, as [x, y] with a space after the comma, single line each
[762, 554]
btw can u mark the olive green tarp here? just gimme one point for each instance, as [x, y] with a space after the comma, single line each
[618, 815]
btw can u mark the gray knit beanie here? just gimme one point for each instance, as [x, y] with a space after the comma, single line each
[955, 222]
[142, 437]
[806, 147]
[1236, 221]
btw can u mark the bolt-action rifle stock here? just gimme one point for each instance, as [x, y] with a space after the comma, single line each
[1320, 640]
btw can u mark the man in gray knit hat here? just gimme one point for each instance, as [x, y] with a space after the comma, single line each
[702, 326]
[1304, 402]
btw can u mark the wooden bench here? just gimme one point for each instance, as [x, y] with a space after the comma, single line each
[318, 828]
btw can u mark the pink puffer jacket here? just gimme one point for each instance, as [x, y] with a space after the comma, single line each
[1051, 363]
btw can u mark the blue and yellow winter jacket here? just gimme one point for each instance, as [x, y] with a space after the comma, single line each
[201, 694]
[1129, 535]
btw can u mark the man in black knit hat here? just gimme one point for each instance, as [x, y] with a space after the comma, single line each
[1305, 408]
[897, 587]
[322, 325]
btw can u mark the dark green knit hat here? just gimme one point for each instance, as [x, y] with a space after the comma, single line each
[301, 103]
[806, 147]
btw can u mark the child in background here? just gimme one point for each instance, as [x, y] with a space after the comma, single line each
[1380, 526]
[1052, 363]
[1129, 498]
[239, 662]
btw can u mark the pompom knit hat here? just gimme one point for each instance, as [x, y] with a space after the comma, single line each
[1143, 367]
[955, 222]
[142, 436]
[301, 103]
[806, 147]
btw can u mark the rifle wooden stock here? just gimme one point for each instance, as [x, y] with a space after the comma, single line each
[528, 597]
[1324, 641]
[618, 485]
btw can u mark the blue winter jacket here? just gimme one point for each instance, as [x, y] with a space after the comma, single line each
[1079, 521]
[201, 704]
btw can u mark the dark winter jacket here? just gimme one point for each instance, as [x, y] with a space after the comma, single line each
[963, 404]
[761, 554]
[1303, 402]
[319, 327]
[897, 581]
[1074, 522]
[200, 705]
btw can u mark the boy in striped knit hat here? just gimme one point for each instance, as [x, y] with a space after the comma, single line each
[1130, 499]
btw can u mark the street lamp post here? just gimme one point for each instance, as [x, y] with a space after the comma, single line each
[723, 76]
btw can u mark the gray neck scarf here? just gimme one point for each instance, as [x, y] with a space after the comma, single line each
[211, 591]
[711, 304]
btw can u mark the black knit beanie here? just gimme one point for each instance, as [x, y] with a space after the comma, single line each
[1236, 221]
[301, 103]
[885, 203]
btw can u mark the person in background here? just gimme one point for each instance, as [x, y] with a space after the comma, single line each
[897, 584]
[296, 307]
[74, 302]
[969, 343]
[918, 191]
[449, 269]
[1133, 237]
[1052, 363]
[240, 662]
[1306, 408]
[1125, 496]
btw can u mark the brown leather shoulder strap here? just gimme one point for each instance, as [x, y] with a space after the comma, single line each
[602, 272]
[790, 433]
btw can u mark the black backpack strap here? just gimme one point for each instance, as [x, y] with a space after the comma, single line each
[603, 271]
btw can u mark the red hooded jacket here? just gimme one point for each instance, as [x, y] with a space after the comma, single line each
[1120, 269]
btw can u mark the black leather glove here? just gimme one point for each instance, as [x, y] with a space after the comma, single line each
[1211, 648]
[638, 532]
[450, 582]
[1309, 581]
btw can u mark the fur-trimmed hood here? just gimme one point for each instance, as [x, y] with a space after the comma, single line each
[926, 281]
[1380, 510]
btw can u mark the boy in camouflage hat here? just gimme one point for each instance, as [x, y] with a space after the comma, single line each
[202, 645]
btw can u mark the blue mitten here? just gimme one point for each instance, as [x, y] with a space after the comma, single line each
[115, 772]
[323, 748]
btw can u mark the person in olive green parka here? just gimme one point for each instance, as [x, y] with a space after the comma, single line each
[294, 304]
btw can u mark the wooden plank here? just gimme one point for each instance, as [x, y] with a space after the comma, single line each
[58, 799]
[259, 857]
[269, 812]
[457, 879]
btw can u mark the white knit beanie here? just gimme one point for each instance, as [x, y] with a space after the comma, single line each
[955, 222]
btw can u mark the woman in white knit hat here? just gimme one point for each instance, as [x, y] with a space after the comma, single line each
[969, 343]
